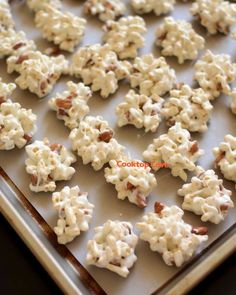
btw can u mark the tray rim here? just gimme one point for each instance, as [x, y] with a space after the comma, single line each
[224, 247]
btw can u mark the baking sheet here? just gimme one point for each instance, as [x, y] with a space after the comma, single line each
[149, 272]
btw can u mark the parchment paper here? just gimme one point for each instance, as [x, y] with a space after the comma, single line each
[150, 272]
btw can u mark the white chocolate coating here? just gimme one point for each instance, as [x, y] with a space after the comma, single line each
[214, 73]
[176, 149]
[36, 5]
[48, 163]
[72, 105]
[74, 213]
[159, 7]
[113, 247]
[206, 196]
[93, 141]
[99, 67]
[105, 9]
[140, 110]
[178, 38]
[134, 183]
[215, 15]
[17, 125]
[169, 235]
[153, 76]
[125, 35]
[190, 107]
[6, 20]
[62, 28]
[6, 90]
[225, 156]
[233, 101]
[38, 72]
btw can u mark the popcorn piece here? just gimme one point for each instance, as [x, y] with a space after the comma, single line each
[214, 73]
[168, 234]
[215, 15]
[17, 125]
[6, 20]
[206, 196]
[176, 149]
[93, 140]
[36, 5]
[159, 7]
[75, 213]
[190, 107]
[113, 247]
[99, 67]
[140, 111]
[134, 183]
[62, 28]
[14, 43]
[225, 156]
[125, 36]
[6, 91]
[38, 72]
[105, 9]
[71, 106]
[153, 76]
[178, 38]
[48, 163]
[233, 100]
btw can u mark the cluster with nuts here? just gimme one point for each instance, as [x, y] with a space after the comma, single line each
[159, 7]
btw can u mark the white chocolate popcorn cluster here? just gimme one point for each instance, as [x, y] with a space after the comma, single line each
[113, 247]
[168, 234]
[38, 72]
[17, 125]
[93, 141]
[190, 107]
[105, 9]
[214, 73]
[233, 101]
[178, 38]
[6, 90]
[176, 149]
[125, 36]
[74, 213]
[159, 7]
[72, 105]
[99, 67]
[134, 183]
[215, 15]
[225, 157]
[6, 20]
[48, 163]
[140, 110]
[36, 5]
[152, 76]
[206, 196]
[62, 28]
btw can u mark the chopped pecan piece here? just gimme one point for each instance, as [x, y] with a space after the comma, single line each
[194, 148]
[201, 230]
[18, 45]
[64, 103]
[130, 186]
[27, 137]
[106, 136]
[158, 207]
[22, 58]
[34, 179]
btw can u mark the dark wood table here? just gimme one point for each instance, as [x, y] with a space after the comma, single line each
[21, 273]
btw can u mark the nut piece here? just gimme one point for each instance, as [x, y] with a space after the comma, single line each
[125, 36]
[178, 38]
[105, 9]
[158, 207]
[99, 67]
[169, 235]
[72, 105]
[93, 141]
[113, 247]
[74, 213]
[47, 164]
[159, 7]
[205, 195]
[152, 76]
[215, 15]
[190, 107]
[140, 111]
[176, 149]
[134, 183]
[214, 73]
